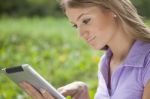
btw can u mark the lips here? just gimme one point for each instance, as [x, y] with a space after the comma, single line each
[91, 38]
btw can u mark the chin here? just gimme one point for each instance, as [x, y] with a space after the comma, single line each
[105, 47]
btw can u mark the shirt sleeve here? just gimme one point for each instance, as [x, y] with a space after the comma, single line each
[146, 73]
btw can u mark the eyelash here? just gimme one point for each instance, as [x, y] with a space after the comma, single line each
[86, 21]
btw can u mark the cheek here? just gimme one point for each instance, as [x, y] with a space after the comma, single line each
[104, 29]
[103, 24]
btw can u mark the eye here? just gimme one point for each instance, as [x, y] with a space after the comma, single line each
[86, 21]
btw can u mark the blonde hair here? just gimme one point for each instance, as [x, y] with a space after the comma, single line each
[126, 13]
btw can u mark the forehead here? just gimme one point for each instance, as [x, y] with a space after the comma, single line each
[75, 12]
[81, 10]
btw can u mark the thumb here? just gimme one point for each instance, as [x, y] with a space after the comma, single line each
[67, 92]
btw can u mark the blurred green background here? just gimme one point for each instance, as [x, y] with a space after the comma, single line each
[36, 32]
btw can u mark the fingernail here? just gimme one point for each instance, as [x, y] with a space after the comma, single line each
[42, 91]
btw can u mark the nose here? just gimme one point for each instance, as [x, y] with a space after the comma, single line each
[83, 33]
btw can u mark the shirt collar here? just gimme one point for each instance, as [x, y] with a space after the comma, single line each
[136, 55]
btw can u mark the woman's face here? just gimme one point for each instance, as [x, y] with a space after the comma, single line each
[96, 26]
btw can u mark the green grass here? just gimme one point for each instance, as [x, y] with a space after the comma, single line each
[52, 47]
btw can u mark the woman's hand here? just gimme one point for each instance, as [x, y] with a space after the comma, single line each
[34, 93]
[77, 90]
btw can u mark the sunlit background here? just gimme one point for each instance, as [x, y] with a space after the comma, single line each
[36, 32]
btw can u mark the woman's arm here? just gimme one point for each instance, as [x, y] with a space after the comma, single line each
[146, 94]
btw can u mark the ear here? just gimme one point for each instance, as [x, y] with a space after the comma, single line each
[113, 15]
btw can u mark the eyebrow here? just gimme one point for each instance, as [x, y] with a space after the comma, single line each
[81, 16]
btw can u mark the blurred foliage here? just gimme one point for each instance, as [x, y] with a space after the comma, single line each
[142, 7]
[51, 7]
[52, 47]
[29, 7]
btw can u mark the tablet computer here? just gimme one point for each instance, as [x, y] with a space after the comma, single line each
[26, 73]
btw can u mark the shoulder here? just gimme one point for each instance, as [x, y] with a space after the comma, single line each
[146, 50]
[146, 68]
[142, 53]
[146, 71]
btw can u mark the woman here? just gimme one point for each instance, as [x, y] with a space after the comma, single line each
[113, 26]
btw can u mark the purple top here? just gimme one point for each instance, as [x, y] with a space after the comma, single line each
[129, 80]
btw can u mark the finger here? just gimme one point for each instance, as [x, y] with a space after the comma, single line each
[78, 95]
[31, 91]
[60, 89]
[67, 92]
[25, 88]
[82, 94]
[46, 95]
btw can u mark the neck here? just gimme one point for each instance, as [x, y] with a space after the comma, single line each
[120, 46]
